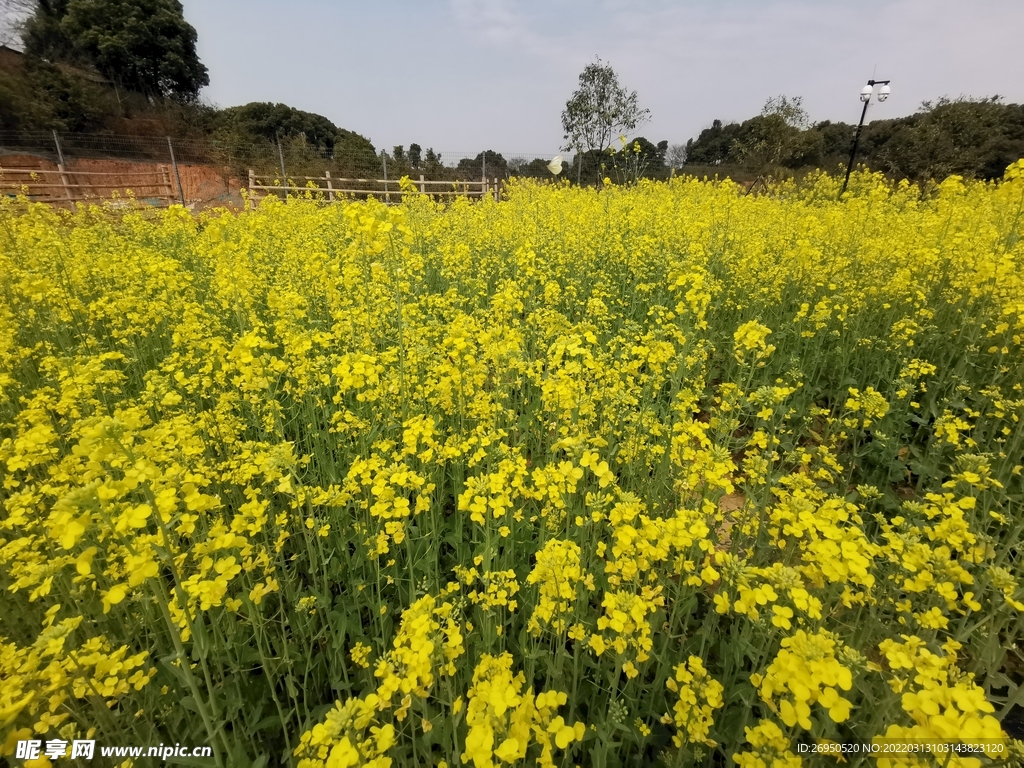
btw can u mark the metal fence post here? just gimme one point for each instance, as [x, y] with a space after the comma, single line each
[177, 176]
[60, 154]
[384, 161]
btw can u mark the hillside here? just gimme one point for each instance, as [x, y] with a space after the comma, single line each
[36, 95]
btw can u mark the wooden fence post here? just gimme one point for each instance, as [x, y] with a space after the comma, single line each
[166, 174]
[174, 164]
[330, 188]
[252, 184]
[423, 187]
[64, 178]
[496, 194]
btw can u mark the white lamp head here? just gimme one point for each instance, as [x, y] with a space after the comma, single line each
[865, 93]
[883, 92]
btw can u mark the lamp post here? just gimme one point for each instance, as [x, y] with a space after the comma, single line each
[865, 95]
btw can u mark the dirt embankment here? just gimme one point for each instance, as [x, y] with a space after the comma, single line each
[203, 186]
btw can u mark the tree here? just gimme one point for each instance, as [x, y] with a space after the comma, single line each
[39, 96]
[650, 154]
[775, 136]
[415, 155]
[661, 151]
[966, 136]
[538, 168]
[676, 156]
[836, 140]
[490, 160]
[600, 110]
[790, 111]
[433, 160]
[713, 145]
[263, 120]
[638, 159]
[145, 45]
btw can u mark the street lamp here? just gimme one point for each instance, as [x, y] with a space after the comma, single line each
[865, 95]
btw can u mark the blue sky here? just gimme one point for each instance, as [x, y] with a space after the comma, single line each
[465, 75]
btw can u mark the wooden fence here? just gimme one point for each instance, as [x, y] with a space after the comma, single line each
[64, 188]
[332, 188]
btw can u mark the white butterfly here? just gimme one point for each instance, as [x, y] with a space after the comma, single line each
[555, 166]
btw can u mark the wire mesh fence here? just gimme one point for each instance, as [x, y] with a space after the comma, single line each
[212, 171]
[288, 156]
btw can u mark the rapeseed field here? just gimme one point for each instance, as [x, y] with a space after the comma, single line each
[667, 473]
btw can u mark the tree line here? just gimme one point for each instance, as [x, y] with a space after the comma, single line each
[971, 137]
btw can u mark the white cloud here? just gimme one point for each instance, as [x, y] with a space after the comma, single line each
[495, 21]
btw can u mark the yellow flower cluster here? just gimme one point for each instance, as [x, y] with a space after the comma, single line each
[626, 616]
[503, 722]
[867, 407]
[429, 634]
[360, 654]
[556, 574]
[749, 340]
[769, 748]
[350, 735]
[805, 672]
[499, 587]
[428, 638]
[945, 704]
[699, 696]
[40, 680]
